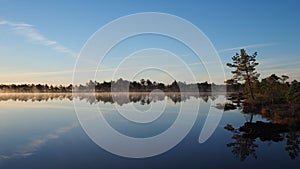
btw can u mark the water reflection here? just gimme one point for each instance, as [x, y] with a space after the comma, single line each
[282, 125]
[118, 98]
[35, 144]
[44, 127]
[242, 146]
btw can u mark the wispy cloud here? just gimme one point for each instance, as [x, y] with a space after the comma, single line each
[34, 74]
[247, 47]
[33, 35]
[280, 66]
[279, 63]
[31, 147]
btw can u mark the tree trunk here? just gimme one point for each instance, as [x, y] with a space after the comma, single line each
[251, 118]
[250, 88]
[249, 85]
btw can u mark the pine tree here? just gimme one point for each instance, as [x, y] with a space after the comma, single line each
[244, 65]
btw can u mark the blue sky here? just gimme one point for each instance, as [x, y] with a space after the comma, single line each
[39, 40]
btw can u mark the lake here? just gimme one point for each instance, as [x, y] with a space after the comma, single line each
[43, 131]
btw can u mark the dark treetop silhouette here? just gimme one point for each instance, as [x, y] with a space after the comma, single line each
[113, 86]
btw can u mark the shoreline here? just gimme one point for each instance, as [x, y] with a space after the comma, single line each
[106, 93]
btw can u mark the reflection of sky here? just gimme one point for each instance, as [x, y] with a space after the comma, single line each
[26, 126]
[36, 143]
[35, 136]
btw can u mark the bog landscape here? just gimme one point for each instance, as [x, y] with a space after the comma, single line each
[144, 107]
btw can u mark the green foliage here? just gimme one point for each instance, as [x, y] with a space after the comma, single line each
[244, 70]
[272, 89]
[293, 94]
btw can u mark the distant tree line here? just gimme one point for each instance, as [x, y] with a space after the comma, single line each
[116, 86]
[34, 88]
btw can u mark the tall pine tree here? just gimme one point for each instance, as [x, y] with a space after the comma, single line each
[244, 70]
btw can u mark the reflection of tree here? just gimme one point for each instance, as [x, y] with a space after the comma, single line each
[245, 136]
[242, 146]
[213, 97]
[205, 98]
[292, 144]
[236, 98]
[235, 102]
[118, 98]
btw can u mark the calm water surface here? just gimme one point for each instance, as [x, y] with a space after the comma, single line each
[42, 131]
